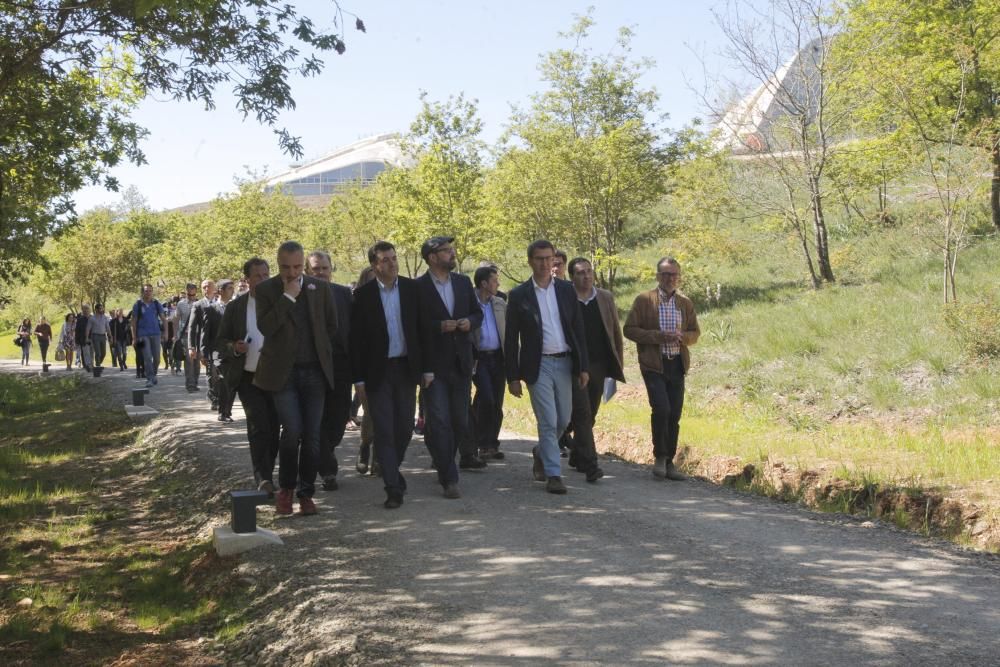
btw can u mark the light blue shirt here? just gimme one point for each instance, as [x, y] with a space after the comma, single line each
[446, 291]
[489, 337]
[393, 318]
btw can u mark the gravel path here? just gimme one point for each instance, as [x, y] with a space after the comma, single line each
[626, 571]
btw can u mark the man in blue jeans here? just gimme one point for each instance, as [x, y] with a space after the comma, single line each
[545, 347]
[148, 320]
[298, 318]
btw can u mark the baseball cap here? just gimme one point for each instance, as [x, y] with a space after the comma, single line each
[433, 244]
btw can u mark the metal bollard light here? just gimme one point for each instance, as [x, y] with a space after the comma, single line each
[139, 396]
[245, 509]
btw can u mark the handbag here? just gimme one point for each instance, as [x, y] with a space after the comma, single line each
[60, 353]
[18, 341]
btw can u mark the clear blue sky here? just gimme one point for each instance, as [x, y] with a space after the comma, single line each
[488, 50]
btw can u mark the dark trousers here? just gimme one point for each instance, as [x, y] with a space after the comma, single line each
[586, 403]
[43, 347]
[666, 400]
[446, 405]
[392, 406]
[262, 427]
[227, 395]
[487, 406]
[212, 372]
[100, 347]
[299, 405]
[336, 412]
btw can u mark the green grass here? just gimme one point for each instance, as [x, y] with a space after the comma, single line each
[95, 587]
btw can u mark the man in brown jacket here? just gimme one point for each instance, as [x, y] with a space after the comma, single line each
[663, 325]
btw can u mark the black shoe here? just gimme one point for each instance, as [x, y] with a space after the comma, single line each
[574, 460]
[563, 452]
[393, 500]
[226, 418]
[594, 474]
[537, 467]
[330, 483]
[472, 463]
[451, 491]
[402, 483]
[555, 485]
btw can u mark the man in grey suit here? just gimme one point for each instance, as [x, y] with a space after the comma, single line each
[299, 322]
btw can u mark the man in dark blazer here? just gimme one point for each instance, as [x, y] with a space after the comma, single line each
[299, 322]
[211, 323]
[451, 316]
[337, 409]
[546, 348]
[239, 344]
[387, 361]
[486, 416]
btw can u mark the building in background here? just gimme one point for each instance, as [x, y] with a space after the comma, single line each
[359, 162]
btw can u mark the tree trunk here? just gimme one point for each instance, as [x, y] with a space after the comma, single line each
[819, 228]
[995, 183]
[797, 223]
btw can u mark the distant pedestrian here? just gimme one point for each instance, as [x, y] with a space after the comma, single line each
[85, 351]
[24, 340]
[192, 369]
[663, 324]
[147, 322]
[120, 335]
[43, 332]
[67, 339]
[99, 334]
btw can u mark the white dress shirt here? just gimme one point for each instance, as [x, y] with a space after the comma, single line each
[255, 339]
[553, 339]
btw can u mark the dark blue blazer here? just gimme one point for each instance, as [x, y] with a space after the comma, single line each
[523, 337]
[369, 346]
[445, 351]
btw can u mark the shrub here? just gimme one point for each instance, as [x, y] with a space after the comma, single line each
[976, 324]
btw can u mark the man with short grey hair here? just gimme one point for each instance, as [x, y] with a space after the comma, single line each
[192, 369]
[663, 324]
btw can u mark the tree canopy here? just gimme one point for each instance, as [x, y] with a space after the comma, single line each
[71, 73]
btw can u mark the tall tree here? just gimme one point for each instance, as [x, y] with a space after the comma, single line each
[943, 57]
[71, 73]
[791, 121]
[588, 149]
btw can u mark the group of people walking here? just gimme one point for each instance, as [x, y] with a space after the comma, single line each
[295, 345]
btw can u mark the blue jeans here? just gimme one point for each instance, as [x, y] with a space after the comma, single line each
[552, 401]
[446, 403]
[299, 405]
[150, 355]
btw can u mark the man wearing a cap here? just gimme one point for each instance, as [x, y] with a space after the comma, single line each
[451, 314]
[183, 319]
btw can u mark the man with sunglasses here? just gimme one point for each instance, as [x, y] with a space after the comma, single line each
[663, 325]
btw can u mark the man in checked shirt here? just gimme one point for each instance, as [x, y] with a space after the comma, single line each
[663, 325]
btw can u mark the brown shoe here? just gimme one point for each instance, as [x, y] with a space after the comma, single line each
[307, 506]
[555, 485]
[537, 467]
[674, 474]
[283, 504]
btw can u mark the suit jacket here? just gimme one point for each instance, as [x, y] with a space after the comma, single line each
[209, 330]
[443, 351]
[500, 315]
[196, 322]
[613, 330]
[369, 346]
[233, 328]
[343, 299]
[523, 338]
[276, 321]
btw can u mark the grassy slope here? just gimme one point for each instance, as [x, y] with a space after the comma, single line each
[861, 379]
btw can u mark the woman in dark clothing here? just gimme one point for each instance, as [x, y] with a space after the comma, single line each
[24, 340]
[120, 335]
[43, 332]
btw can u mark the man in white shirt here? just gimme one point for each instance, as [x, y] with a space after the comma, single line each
[239, 344]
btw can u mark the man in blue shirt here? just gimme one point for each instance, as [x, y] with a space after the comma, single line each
[148, 320]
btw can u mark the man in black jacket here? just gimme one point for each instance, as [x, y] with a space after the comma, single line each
[387, 362]
[82, 340]
[337, 409]
[451, 314]
[546, 347]
[239, 344]
[211, 323]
